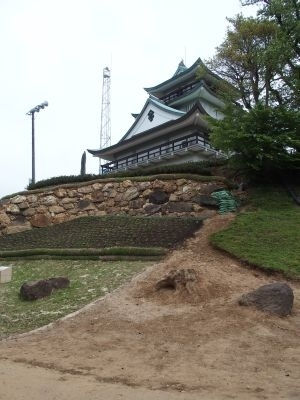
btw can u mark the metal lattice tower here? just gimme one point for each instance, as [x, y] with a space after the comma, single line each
[105, 130]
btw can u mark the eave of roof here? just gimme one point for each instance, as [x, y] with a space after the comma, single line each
[192, 117]
[184, 76]
[196, 93]
[176, 79]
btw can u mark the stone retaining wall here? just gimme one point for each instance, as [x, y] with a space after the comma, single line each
[41, 208]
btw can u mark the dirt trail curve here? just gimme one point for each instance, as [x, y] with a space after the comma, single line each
[137, 343]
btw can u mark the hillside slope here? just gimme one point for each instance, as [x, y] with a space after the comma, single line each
[142, 343]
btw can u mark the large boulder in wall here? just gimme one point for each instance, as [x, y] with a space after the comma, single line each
[158, 196]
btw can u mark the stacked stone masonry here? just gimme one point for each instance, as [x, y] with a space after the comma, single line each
[40, 208]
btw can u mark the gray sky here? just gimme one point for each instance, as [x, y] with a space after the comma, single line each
[55, 50]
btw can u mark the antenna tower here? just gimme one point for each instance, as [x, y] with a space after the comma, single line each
[105, 131]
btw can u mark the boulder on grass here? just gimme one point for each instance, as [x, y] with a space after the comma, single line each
[275, 298]
[34, 290]
[61, 282]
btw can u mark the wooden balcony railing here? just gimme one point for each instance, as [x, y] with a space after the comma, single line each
[164, 150]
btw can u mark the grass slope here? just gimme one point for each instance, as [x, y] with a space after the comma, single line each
[268, 234]
[88, 281]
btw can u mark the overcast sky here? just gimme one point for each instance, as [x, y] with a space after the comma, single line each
[56, 50]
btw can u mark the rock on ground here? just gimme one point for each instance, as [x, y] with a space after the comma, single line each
[34, 290]
[275, 298]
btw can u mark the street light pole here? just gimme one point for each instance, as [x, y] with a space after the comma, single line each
[32, 150]
[32, 112]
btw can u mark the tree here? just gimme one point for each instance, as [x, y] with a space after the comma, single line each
[260, 58]
[241, 60]
[284, 51]
[261, 140]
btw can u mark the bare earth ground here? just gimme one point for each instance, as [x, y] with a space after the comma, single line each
[138, 343]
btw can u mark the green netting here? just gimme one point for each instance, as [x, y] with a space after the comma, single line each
[226, 201]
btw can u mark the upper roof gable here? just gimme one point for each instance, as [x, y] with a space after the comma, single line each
[154, 113]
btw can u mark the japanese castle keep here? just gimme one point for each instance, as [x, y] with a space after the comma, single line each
[170, 129]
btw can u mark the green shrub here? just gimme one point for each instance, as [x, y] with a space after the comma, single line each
[60, 180]
[200, 168]
[87, 253]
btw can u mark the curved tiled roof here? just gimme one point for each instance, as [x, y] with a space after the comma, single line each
[196, 111]
[184, 75]
[177, 78]
[195, 93]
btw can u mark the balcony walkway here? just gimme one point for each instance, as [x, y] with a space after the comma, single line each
[170, 150]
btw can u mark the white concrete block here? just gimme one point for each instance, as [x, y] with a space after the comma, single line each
[5, 274]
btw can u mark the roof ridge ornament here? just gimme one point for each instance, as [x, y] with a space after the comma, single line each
[181, 68]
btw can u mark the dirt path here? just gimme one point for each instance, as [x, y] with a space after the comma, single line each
[138, 343]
